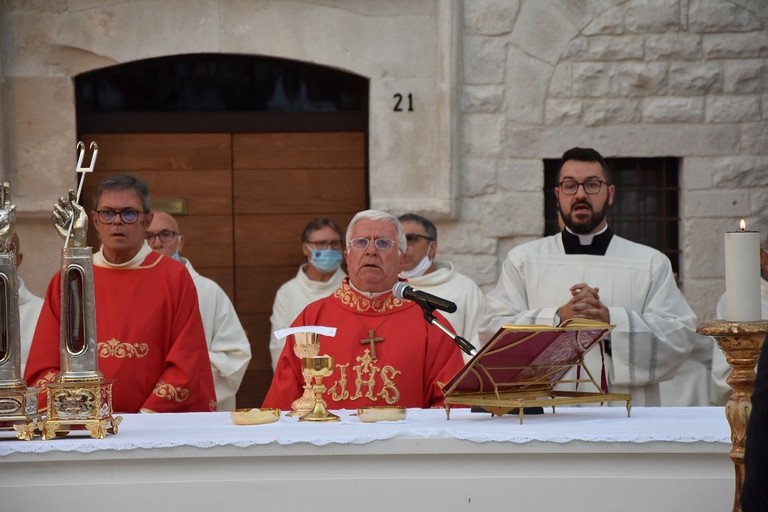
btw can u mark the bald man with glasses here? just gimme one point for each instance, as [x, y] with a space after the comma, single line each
[150, 335]
[228, 346]
[384, 352]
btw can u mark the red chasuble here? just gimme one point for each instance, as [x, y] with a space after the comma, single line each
[411, 363]
[150, 336]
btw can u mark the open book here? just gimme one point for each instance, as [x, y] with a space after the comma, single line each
[522, 365]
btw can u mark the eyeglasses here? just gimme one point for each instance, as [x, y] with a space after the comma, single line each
[128, 216]
[412, 238]
[591, 187]
[324, 244]
[165, 236]
[383, 244]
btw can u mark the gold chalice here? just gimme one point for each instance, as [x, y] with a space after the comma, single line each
[305, 345]
[318, 367]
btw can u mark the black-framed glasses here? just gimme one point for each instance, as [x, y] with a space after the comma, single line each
[383, 244]
[412, 238]
[165, 236]
[128, 215]
[591, 187]
[324, 244]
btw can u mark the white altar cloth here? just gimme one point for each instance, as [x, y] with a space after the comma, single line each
[579, 458]
[592, 425]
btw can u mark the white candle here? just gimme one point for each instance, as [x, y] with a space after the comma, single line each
[742, 275]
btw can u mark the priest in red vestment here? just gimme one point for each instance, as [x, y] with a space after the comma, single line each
[385, 353]
[150, 336]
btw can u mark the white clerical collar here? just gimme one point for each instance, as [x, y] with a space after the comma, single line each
[100, 261]
[370, 295]
[587, 239]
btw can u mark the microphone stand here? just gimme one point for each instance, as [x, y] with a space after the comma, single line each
[463, 344]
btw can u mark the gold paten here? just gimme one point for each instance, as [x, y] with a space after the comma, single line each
[374, 414]
[741, 343]
[254, 416]
[78, 396]
[306, 344]
[318, 367]
[18, 403]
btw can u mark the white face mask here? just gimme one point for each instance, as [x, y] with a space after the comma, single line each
[419, 270]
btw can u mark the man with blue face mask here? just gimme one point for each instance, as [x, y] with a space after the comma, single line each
[322, 242]
[228, 347]
[438, 277]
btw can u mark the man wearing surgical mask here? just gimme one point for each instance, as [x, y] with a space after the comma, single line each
[439, 277]
[322, 242]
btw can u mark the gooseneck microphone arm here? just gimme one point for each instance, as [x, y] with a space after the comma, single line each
[429, 303]
[463, 344]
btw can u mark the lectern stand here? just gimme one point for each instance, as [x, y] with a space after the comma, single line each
[522, 366]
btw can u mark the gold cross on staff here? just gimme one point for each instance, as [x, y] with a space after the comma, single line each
[372, 339]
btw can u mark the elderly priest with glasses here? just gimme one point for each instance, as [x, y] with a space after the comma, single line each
[586, 271]
[385, 353]
[149, 332]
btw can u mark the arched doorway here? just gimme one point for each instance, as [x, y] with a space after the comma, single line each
[244, 151]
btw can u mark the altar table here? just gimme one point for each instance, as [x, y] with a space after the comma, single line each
[576, 459]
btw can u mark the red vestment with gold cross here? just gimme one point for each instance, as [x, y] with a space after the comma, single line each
[411, 363]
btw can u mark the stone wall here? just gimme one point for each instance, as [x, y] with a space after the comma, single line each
[503, 85]
[640, 78]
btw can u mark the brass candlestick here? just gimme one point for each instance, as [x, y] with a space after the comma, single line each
[741, 343]
[318, 367]
[305, 345]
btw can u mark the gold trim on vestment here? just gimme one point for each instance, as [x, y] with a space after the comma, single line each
[170, 392]
[361, 304]
[121, 350]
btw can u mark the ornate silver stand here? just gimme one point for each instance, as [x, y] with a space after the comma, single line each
[18, 403]
[78, 396]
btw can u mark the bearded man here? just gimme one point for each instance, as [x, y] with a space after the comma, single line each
[586, 271]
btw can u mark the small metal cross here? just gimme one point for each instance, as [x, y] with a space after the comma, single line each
[372, 339]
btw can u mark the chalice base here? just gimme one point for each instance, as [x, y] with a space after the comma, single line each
[319, 413]
[76, 405]
[19, 411]
[304, 404]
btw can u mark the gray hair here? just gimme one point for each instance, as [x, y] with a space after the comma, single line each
[402, 245]
[124, 182]
[429, 227]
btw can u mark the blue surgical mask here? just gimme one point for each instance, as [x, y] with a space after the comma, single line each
[176, 256]
[326, 260]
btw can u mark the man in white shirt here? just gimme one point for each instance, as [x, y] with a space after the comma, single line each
[322, 242]
[439, 278]
[586, 271]
[228, 347]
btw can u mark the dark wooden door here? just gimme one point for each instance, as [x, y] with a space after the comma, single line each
[248, 196]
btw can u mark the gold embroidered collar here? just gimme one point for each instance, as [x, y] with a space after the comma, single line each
[361, 304]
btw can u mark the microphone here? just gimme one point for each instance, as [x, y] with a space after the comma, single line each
[403, 291]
